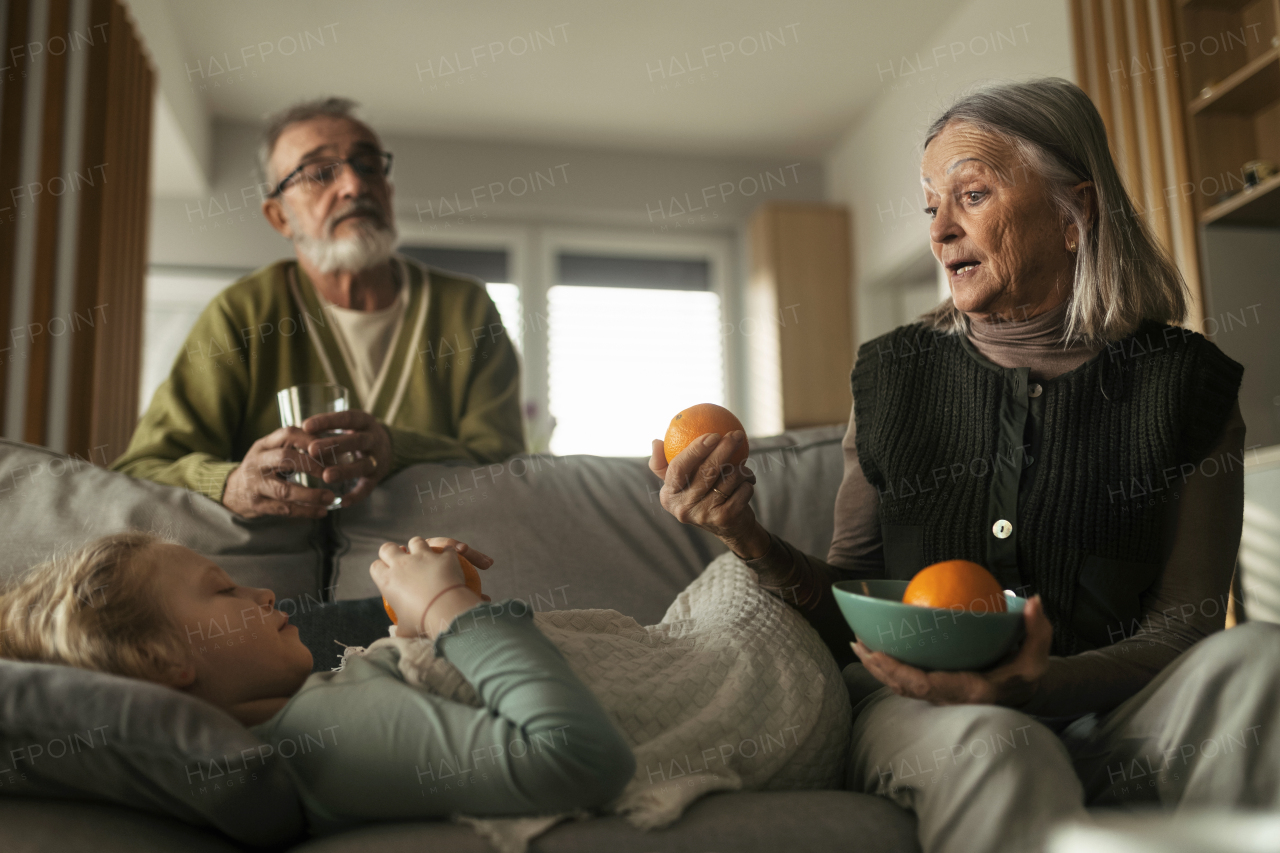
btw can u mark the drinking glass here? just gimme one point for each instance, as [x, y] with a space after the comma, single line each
[300, 402]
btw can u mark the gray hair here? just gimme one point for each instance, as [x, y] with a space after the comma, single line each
[302, 111]
[1122, 274]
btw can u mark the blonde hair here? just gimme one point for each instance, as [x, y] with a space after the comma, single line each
[94, 608]
[1123, 274]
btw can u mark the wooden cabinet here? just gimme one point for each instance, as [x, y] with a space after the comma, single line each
[800, 262]
[1232, 91]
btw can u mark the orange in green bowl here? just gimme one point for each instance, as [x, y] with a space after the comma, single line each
[929, 638]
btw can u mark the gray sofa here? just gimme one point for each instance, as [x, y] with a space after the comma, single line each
[565, 532]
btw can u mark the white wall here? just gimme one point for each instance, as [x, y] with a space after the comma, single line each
[1241, 285]
[181, 138]
[875, 169]
[516, 194]
[651, 193]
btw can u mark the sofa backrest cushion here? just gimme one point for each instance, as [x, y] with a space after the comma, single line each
[586, 531]
[72, 733]
[797, 476]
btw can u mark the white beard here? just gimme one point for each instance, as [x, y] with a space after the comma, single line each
[372, 244]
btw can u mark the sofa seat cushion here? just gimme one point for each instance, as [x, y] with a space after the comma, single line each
[31, 825]
[743, 822]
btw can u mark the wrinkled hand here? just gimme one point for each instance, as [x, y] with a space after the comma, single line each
[1012, 683]
[258, 486]
[365, 437]
[701, 488]
[413, 578]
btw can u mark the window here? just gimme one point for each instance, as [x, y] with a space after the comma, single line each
[631, 341]
[506, 298]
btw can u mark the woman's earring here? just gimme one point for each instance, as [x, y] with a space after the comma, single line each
[1071, 246]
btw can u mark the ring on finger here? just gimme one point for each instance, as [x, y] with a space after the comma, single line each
[718, 492]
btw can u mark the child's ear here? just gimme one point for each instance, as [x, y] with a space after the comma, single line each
[178, 674]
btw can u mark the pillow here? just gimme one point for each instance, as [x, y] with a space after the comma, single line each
[51, 502]
[75, 734]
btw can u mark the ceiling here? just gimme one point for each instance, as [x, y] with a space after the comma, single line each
[604, 74]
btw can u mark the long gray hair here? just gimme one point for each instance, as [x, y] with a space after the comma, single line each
[1122, 274]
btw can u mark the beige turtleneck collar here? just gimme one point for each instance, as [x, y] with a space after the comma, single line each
[1034, 343]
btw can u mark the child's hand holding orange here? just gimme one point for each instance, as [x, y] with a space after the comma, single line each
[425, 584]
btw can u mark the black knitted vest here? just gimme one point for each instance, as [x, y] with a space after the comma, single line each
[1115, 428]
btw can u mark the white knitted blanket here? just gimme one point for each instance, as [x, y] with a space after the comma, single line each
[732, 690]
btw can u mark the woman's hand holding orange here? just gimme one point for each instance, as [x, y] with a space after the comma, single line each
[1012, 683]
[700, 487]
[419, 577]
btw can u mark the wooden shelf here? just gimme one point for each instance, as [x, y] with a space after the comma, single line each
[1258, 205]
[1247, 90]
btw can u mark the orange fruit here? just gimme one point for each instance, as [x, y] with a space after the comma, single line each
[700, 420]
[956, 584]
[469, 573]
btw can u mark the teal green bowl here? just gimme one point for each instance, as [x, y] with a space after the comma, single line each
[927, 637]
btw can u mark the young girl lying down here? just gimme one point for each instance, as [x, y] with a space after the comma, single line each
[134, 605]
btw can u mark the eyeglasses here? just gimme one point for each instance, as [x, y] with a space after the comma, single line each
[317, 174]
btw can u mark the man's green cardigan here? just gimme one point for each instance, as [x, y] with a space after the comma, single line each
[450, 388]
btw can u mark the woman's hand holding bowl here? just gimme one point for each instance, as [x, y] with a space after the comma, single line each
[424, 583]
[700, 487]
[1012, 683]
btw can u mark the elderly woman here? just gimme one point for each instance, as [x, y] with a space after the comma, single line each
[1049, 423]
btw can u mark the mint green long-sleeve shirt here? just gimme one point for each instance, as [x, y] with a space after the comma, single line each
[367, 745]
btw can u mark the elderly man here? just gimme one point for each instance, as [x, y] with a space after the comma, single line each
[432, 374]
